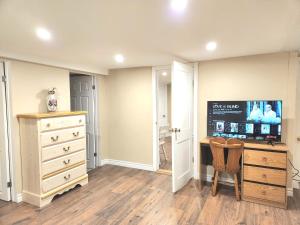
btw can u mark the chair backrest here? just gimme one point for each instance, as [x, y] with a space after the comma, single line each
[235, 150]
[217, 149]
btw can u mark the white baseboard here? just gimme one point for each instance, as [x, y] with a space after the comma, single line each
[224, 180]
[296, 184]
[290, 192]
[128, 164]
[18, 198]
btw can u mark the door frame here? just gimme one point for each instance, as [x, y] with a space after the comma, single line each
[12, 155]
[155, 128]
[96, 114]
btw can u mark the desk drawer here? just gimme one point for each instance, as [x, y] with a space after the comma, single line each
[59, 150]
[63, 162]
[59, 136]
[265, 158]
[63, 178]
[265, 175]
[264, 192]
[62, 122]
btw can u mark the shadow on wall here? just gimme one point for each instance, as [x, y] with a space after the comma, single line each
[42, 96]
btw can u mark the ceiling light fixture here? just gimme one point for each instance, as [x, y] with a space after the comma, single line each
[211, 46]
[43, 34]
[178, 5]
[119, 58]
[164, 73]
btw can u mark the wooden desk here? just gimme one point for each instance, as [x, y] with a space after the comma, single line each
[264, 172]
[278, 147]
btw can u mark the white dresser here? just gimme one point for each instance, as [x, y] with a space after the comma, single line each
[53, 153]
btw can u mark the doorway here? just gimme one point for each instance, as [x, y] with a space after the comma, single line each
[164, 115]
[83, 92]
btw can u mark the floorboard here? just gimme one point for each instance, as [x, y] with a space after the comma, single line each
[120, 196]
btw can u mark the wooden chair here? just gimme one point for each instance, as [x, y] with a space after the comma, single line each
[163, 131]
[217, 146]
[235, 150]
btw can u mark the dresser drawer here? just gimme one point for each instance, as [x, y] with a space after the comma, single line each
[63, 162]
[59, 136]
[265, 158]
[59, 150]
[264, 192]
[63, 178]
[61, 122]
[265, 175]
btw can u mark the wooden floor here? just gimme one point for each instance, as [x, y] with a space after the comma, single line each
[117, 195]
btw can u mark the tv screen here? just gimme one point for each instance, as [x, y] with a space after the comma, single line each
[256, 120]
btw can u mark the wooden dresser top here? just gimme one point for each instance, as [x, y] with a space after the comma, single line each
[50, 114]
[277, 147]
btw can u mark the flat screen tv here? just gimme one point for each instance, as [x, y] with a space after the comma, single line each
[251, 120]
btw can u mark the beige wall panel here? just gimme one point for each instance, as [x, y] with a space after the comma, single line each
[29, 87]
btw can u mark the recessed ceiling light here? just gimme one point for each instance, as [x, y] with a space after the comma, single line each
[178, 5]
[119, 58]
[211, 46]
[43, 34]
[164, 73]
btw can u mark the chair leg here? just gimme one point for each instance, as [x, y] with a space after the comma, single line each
[213, 178]
[214, 187]
[236, 187]
[164, 151]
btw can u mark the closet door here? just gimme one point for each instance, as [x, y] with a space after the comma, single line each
[4, 157]
[82, 99]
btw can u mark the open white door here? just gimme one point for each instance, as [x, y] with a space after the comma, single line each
[4, 159]
[182, 123]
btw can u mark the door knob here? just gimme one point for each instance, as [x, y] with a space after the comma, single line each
[174, 130]
[177, 130]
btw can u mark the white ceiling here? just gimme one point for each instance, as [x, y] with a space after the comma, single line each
[87, 34]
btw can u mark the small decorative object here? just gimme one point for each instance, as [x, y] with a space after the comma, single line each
[51, 100]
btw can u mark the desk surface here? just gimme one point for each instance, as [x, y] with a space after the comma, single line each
[50, 114]
[277, 147]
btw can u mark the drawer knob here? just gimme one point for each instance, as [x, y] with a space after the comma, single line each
[263, 192]
[48, 125]
[76, 134]
[67, 177]
[80, 121]
[265, 159]
[54, 138]
[66, 162]
[66, 149]
[264, 175]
